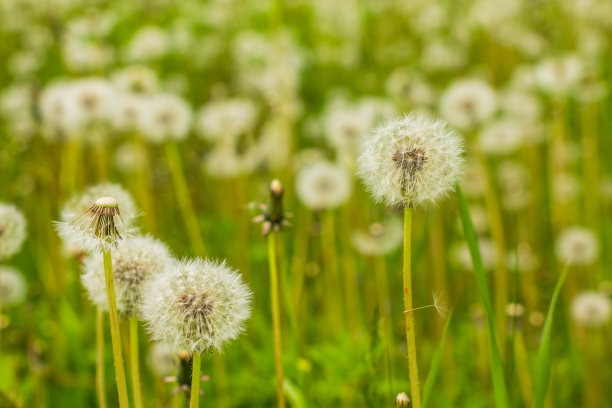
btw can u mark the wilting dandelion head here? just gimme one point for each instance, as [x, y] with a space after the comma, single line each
[414, 160]
[13, 286]
[196, 305]
[135, 260]
[591, 309]
[162, 360]
[12, 230]
[323, 185]
[468, 102]
[402, 400]
[577, 246]
[380, 238]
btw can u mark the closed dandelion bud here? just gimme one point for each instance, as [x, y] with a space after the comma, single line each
[196, 305]
[591, 309]
[12, 230]
[323, 185]
[13, 286]
[402, 400]
[273, 217]
[135, 260]
[414, 160]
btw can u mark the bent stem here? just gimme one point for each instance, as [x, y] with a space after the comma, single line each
[194, 401]
[115, 333]
[184, 199]
[135, 366]
[100, 387]
[276, 317]
[413, 368]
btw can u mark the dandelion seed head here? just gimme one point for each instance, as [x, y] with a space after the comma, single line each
[501, 137]
[196, 305]
[558, 76]
[323, 185]
[380, 238]
[402, 400]
[577, 246]
[135, 260]
[12, 230]
[225, 120]
[13, 286]
[468, 102]
[166, 117]
[591, 309]
[162, 360]
[415, 160]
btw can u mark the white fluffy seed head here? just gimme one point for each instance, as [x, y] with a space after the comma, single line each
[577, 246]
[165, 117]
[13, 286]
[196, 305]
[414, 160]
[323, 185]
[591, 309]
[468, 102]
[380, 238]
[163, 360]
[135, 260]
[12, 230]
[75, 234]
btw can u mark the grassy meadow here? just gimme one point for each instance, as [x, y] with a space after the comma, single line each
[309, 199]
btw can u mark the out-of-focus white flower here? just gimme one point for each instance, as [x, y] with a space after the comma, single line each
[196, 305]
[223, 162]
[380, 238]
[135, 260]
[323, 185]
[577, 246]
[501, 137]
[12, 230]
[527, 260]
[591, 309]
[93, 98]
[130, 157]
[513, 180]
[167, 117]
[136, 79]
[13, 286]
[468, 102]
[559, 76]
[148, 43]
[227, 119]
[163, 360]
[521, 105]
[409, 87]
[58, 109]
[414, 160]
[460, 255]
[128, 111]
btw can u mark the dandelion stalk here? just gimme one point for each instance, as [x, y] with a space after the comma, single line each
[184, 199]
[194, 400]
[134, 363]
[413, 367]
[276, 318]
[115, 332]
[100, 386]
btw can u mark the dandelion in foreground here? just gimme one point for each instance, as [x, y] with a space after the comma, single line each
[411, 161]
[414, 160]
[577, 246]
[13, 286]
[196, 305]
[591, 309]
[12, 230]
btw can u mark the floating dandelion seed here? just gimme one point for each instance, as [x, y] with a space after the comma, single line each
[196, 305]
[12, 230]
[437, 304]
[414, 160]
[135, 260]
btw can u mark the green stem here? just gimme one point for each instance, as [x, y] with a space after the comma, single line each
[115, 333]
[413, 367]
[100, 387]
[330, 258]
[135, 366]
[184, 199]
[276, 318]
[194, 401]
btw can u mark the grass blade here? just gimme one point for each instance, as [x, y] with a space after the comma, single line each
[435, 364]
[497, 370]
[542, 368]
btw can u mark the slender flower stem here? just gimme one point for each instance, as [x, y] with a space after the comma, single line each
[184, 199]
[276, 317]
[194, 401]
[330, 259]
[413, 367]
[135, 366]
[115, 333]
[100, 386]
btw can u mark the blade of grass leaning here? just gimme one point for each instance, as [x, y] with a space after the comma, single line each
[435, 364]
[542, 365]
[497, 370]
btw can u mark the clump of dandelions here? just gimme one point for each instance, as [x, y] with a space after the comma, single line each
[135, 260]
[414, 160]
[197, 305]
[12, 230]
[591, 309]
[13, 286]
